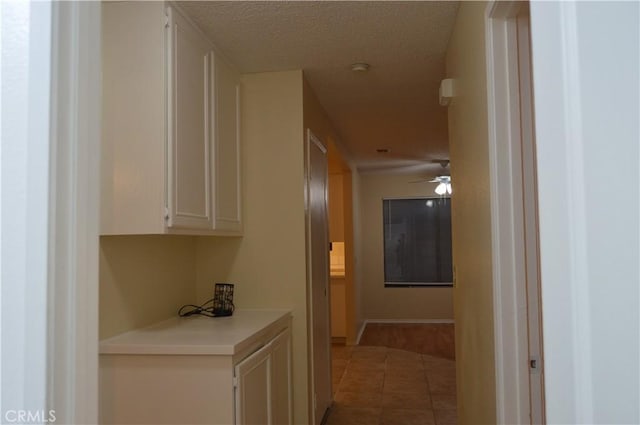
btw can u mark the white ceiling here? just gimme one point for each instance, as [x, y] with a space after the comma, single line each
[394, 105]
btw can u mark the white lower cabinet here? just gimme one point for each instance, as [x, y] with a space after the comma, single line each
[280, 367]
[263, 385]
[223, 371]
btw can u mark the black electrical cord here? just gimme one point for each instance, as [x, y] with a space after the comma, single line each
[201, 310]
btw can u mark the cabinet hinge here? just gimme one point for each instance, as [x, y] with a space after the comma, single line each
[166, 21]
[235, 382]
[166, 213]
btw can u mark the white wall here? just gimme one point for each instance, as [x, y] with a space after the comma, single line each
[586, 67]
[377, 301]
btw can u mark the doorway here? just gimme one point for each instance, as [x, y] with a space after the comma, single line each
[341, 248]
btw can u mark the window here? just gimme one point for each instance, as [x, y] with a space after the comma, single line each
[417, 242]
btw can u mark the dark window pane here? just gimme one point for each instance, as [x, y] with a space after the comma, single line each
[417, 241]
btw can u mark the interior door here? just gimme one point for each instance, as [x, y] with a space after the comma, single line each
[530, 203]
[318, 274]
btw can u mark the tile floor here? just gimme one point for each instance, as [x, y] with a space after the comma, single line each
[388, 386]
[436, 339]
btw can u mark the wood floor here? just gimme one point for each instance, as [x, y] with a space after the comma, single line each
[380, 385]
[435, 339]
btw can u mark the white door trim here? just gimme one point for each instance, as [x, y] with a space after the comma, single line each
[73, 212]
[507, 232]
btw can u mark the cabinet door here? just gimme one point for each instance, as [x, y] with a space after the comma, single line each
[227, 208]
[253, 392]
[280, 374]
[189, 125]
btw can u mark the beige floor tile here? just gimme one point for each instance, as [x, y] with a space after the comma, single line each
[407, 417]
[395, 363]
[370, 348]
[404, 378]
[401, 386]
[446, 417]
[341, 415]
[360, 385]
[395, 354]
[373, 375]
[441, 383]
[444, 401]
[434, 364]
[339, 363]
[406, 400]
[376, 385]
[341, 351]
[359, 399]
[404, 374]
[366, 365]
[374, 356]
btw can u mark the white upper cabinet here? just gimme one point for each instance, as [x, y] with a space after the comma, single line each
[171, 146]
[227, 153]
[189, 130]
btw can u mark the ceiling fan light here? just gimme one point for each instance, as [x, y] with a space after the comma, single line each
[441, 189]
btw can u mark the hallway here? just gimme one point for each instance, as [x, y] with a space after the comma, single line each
[387, 386]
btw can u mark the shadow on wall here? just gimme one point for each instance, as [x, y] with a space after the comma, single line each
[144, 279]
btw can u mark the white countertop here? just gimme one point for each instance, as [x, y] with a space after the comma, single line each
[198, 335]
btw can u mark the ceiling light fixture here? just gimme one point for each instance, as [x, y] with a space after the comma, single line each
[444, 185]
[360, 67]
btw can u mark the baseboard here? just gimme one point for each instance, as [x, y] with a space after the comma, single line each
[406, 321]
[362, 326]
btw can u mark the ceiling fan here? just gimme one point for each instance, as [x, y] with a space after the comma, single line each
[443, 180]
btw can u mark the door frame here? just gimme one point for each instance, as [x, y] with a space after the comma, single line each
[74, 212]
[586, 381]
[507, 229]
[52, 153]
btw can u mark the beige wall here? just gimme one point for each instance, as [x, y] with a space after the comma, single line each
[379, 302]
[144, 279]
[356, 213]
[336, 208]
[267, 264]
[471, 209]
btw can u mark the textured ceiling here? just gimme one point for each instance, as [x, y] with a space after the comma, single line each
[394, 105]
